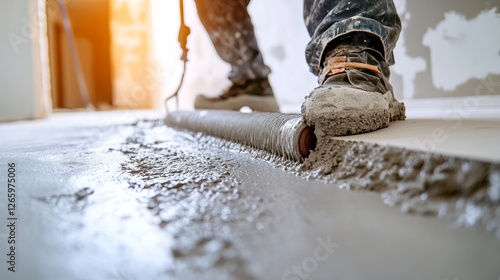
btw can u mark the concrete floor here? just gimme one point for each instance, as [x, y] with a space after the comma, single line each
[101, 199]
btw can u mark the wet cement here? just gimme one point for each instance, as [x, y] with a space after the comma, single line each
[211, 187]
[144, 201]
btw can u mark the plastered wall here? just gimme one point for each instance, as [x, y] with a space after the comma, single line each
[448, 48]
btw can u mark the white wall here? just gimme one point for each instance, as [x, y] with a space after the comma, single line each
[24, 86]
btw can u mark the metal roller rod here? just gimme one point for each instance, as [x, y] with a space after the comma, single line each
[283, 134]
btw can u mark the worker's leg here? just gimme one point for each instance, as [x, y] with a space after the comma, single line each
[327, 20]
[231, 31]
[350, 51]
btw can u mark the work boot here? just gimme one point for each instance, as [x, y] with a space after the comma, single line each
[256, 94]
[354, 94]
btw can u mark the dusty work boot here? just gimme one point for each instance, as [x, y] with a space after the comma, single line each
[256, 94]
[354, 94]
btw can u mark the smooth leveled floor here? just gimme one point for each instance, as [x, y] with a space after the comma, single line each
[473, 139]
[98, 198]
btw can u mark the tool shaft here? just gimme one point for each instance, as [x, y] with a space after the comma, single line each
[283, 134]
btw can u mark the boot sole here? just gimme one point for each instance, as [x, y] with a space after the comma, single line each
[254, 102]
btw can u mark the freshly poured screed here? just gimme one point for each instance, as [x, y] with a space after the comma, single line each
[282, 134]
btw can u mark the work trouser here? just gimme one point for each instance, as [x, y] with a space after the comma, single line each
[231, 31]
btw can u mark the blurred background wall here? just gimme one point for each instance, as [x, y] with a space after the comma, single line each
[90, 25]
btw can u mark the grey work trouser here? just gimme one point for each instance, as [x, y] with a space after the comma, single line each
[231, 31]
